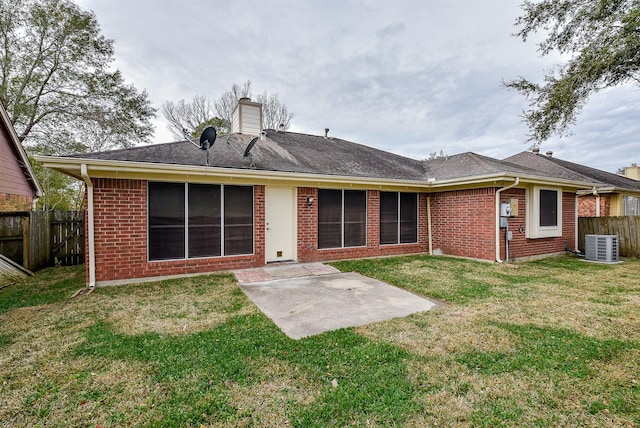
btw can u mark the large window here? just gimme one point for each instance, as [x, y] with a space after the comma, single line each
[544, 213]
[342, 218]
[398, 218]
[630, 205]
[199, 220]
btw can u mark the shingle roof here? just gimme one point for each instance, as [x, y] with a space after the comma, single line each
[280, 151]
[573, 171]
[310, 154]
[472, 165]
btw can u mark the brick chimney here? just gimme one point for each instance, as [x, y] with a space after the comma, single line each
[247, 117]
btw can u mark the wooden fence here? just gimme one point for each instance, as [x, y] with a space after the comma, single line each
[37, 239]
[627, 228]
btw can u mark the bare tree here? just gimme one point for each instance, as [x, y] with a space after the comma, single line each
[192, 117]
[436, 155]
[187, 116]
[226, 104]
[275, 115]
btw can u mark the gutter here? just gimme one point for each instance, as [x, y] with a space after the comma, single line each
[515, 183]
[90, 226]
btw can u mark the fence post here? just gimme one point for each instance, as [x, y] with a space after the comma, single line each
[26, 242]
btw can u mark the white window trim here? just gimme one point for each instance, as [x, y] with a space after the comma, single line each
[534, 230]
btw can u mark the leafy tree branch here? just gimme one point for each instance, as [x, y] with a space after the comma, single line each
[601, 39]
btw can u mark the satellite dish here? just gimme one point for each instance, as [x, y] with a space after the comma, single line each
[207, 138]
[252, 143]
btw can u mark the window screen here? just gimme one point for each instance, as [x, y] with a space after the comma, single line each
[398, 218]
[408, 218]
[329, 218]
[548, 207]
[238, 220]
[214, 215]
[342, 218]
[166, 221]
[204, 220]
[355, 218]
[388, 217]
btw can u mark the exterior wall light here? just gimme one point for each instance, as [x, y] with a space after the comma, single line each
[309, 201]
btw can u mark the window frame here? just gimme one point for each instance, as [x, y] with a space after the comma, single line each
[534, 229]
[398, 218]
[186, 223]
[342, 219]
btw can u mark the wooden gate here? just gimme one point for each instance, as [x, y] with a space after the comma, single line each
[37, 239]
[67, 238]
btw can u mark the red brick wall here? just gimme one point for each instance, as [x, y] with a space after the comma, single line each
[464, 223]
[520, 246]
[120, 215]
[10, 202]
[308, 231]
[587, 206]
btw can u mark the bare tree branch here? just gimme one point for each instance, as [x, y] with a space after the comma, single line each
[193, 116]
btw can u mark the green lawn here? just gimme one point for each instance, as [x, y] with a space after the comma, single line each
[553, 343]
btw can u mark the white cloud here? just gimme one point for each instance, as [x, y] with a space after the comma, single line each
[411, 77]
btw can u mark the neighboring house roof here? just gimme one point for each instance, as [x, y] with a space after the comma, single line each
[573, 171]
[20, 156]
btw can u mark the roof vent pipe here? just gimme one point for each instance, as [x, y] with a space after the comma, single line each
[549, 153]
[326, 133]
[535, 150]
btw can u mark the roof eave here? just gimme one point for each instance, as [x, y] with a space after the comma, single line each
[15, 140]
[508, 177]
[100, 168]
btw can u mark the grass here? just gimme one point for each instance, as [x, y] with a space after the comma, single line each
[554, 342]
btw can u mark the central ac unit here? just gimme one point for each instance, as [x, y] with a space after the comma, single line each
[601, 248]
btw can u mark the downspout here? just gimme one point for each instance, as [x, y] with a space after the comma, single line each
[575, 227]
[90, 226]
[429, 225]
[515, 183]
[597, 195]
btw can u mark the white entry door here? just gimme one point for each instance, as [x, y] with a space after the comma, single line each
[280, 224]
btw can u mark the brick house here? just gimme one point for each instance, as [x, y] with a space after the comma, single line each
[169, 209]
[19, 187]
[610, 195]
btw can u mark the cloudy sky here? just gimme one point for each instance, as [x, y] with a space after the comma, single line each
[410, 77]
